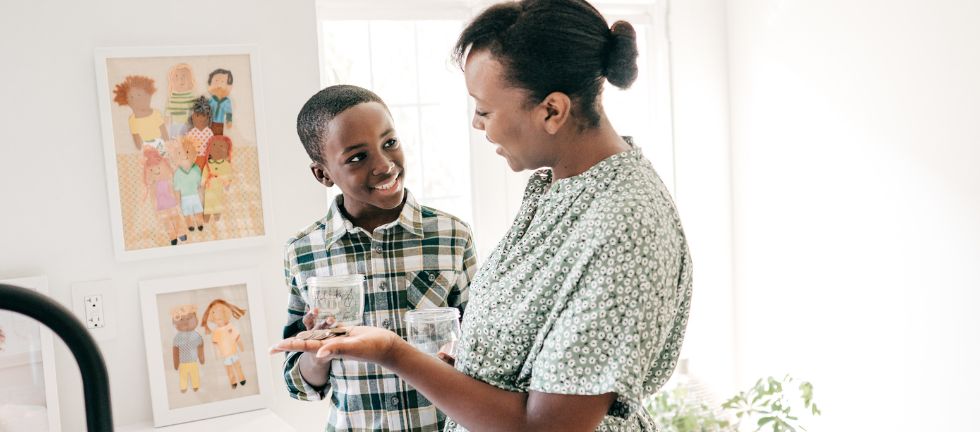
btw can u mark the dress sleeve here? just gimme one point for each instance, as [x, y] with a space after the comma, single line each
[621, 319]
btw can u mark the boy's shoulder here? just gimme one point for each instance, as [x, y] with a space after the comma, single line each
[438, 223]
[310, 233]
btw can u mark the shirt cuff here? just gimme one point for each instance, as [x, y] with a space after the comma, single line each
[297, 386]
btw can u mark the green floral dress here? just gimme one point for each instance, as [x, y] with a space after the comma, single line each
[588, 293]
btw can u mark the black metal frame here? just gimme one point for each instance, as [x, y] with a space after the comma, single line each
[95, 376]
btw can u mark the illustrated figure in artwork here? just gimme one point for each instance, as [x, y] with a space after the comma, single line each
[218, 176]
[187, 183]
[158, 181]
[145, 124]
[219, 85]
[3, 338]
[199, 128]
[180, 82]
[188, 347]
[226, 337]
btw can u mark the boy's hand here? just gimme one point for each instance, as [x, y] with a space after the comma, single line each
[310, 318]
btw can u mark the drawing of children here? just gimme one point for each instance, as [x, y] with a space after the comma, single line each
[145, 124]
[225, 337]
[158, 180]
[219, 85]
[180, 82]
[218, 176]
[199, 124]
[188, 347]
[187, 183]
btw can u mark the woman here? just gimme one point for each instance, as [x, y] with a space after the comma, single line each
[579, 312]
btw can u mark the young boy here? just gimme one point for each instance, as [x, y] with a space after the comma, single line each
[412, 257]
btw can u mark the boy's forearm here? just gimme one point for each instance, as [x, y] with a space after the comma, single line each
[470, 402]
[315, 374]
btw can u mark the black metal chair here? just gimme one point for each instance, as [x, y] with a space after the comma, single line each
[95, 376]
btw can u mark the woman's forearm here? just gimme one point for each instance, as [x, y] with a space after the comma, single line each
[472, 403]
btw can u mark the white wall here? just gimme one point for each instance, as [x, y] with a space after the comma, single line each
[55, 216]
[855, 129]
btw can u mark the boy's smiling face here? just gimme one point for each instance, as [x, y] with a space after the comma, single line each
[362, 155]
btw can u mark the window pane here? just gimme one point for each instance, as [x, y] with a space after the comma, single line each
[393, 61]
[346, 54]
[439, 80]
[445, 150]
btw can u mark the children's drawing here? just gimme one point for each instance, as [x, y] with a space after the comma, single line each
[158, 180]
[199, 128]
[180, 82]
[225, 337]
[219, 85]
[161, 99]
[218, 175]
[188, 347]
[145, 124]
[187, 183]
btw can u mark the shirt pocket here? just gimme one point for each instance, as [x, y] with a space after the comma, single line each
[429, 288]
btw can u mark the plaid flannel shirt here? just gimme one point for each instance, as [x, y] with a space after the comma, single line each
[424, 259]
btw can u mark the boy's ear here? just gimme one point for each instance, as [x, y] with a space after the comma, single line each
[321, 174]
[555, 110]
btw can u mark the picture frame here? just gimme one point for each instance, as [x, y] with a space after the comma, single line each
[28, 378]
[156, 130]
[224, 368]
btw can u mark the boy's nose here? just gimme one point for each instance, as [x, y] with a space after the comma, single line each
[384, 167]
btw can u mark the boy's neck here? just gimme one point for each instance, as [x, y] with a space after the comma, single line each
[370, 218]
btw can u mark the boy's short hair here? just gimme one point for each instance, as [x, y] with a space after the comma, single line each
[181, 311]
[231, 78]
[320, 110]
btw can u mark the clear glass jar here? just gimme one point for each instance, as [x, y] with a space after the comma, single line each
[339, 297]
[433, 330]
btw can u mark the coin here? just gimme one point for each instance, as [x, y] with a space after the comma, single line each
[304, 335]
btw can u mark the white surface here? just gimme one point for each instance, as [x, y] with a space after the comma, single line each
[60, 225]
[252, 421]
[856, 141]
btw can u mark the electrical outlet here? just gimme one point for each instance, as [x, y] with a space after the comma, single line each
[94, 317]
[95, 305]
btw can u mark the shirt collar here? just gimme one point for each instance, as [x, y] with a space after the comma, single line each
[336, 224]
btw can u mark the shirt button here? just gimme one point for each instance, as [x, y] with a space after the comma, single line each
[394, 401]
[386, 323]
[383, 285]
[432, 277]
[378, 249]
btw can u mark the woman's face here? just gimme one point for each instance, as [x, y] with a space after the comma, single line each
[502, 113]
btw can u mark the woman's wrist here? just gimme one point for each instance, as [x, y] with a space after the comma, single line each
[396, 354]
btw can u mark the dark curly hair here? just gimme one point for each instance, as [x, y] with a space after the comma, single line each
[550, 46]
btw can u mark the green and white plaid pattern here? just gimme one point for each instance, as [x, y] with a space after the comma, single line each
[424, 259]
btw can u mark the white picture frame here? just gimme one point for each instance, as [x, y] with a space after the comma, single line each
[140, 229]
[17, 358]
[217, 395]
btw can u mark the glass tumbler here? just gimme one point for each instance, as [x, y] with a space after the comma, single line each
[434, 330]
[338, 297]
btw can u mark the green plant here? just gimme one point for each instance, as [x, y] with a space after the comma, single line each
[674, 410]
[766, 404]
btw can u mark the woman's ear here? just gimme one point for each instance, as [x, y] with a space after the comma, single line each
[321, 174]
[555, 110]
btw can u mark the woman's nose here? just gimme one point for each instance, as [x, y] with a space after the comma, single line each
[477, 122]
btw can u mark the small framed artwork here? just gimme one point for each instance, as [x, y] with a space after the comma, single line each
[205, 346]
[28, 387]
[184, 155]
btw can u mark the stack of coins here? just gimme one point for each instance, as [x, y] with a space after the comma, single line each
[322, 334]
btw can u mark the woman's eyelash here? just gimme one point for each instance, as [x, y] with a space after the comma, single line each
[481, 113]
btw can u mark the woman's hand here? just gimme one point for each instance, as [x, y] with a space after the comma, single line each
[370, 344]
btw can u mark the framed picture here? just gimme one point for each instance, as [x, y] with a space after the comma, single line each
[28, 387]
[184, 155]
[205, 346]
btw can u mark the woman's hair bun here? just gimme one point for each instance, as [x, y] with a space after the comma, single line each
[621, 54]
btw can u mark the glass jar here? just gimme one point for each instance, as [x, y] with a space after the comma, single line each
[433, 330]
[339, 297]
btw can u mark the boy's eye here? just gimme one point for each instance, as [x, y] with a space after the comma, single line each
[357, 158]
[392, 143]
